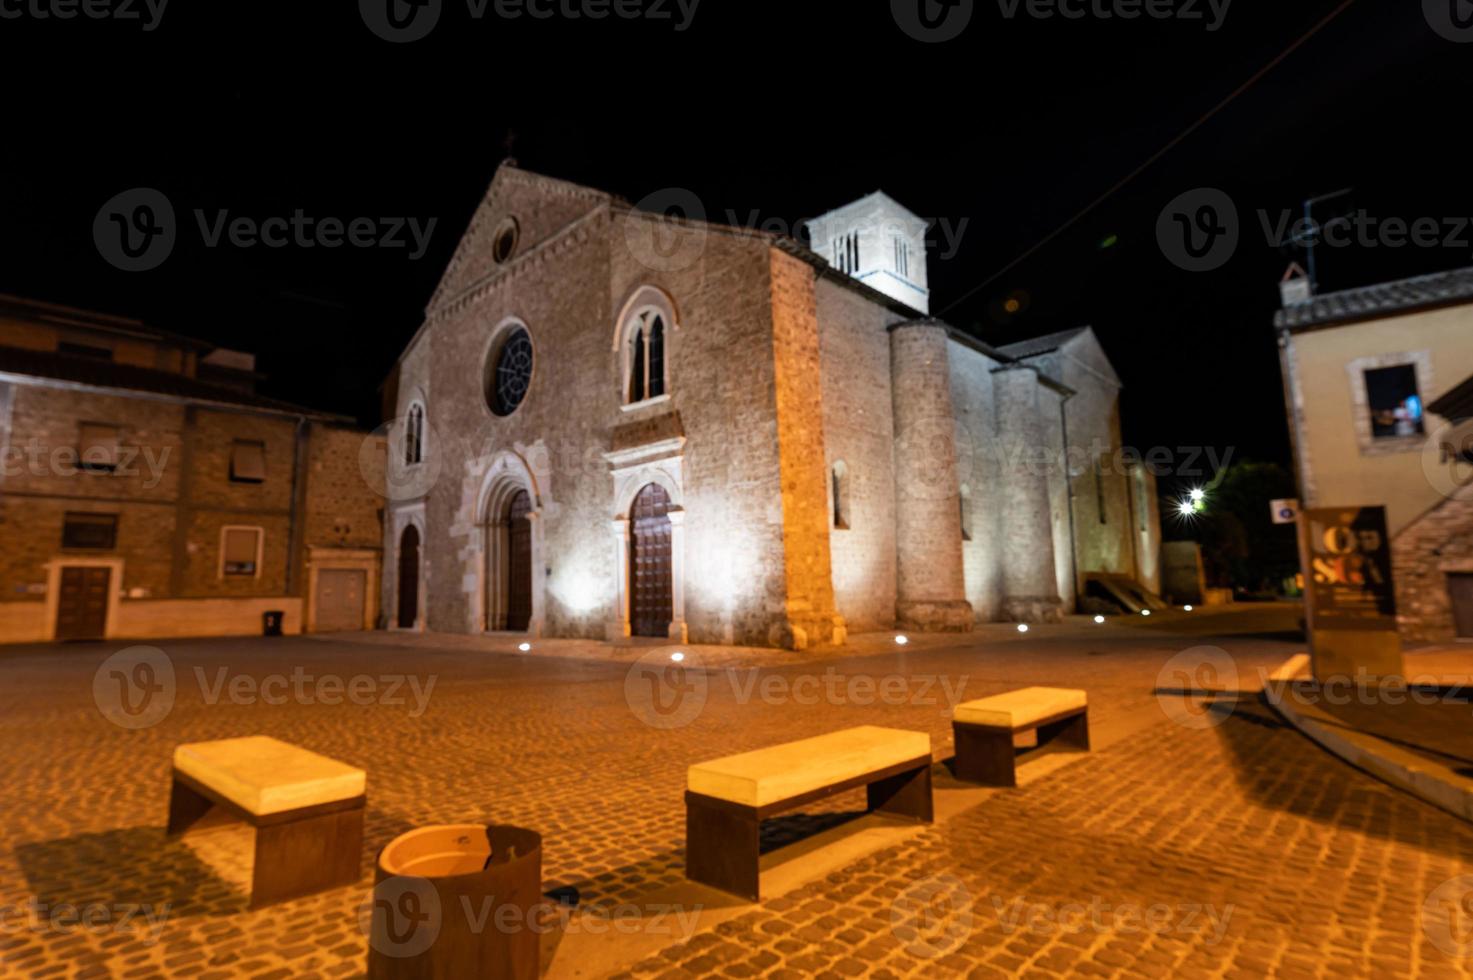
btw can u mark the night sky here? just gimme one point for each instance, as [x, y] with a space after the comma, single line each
[768, 113]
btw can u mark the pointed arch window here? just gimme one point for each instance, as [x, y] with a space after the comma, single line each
[414, 435]
[645, 357]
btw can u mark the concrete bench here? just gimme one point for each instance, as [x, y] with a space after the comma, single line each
[984, 729]
[727, 799]
[307, 810]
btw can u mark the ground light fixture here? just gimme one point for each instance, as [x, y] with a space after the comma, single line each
[1187, 608]
[901, 641]
[524, 647]
[677, 656]
[1099, 619]
[1022, 627]
[1145, 612]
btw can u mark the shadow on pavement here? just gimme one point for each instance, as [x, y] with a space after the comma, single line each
[130, 867]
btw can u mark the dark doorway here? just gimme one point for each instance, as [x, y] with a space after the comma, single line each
[1460, 594]
[81, 609]
[519, 563]
[409, 578]
[649, 563]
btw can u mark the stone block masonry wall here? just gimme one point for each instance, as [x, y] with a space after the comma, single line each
[859, 431]
[1104, 525]
[568, 291]
[809, 582]
[931, 583]
[1030, 588]
[980, 476]
[1424, 555]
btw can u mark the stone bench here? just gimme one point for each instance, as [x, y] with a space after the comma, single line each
[307, 810]
[727, 799]
[984, 729]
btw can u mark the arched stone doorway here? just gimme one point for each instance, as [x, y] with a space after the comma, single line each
[651, 574]
[409, 578]
[518, 579]
[513, 566]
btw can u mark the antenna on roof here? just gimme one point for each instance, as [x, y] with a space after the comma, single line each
[1308, 233]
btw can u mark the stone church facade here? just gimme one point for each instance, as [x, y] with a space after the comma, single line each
[615, 424]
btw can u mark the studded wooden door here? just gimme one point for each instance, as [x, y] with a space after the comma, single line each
[649, 563]
[81, 609]
[409, 578]
[519, 563]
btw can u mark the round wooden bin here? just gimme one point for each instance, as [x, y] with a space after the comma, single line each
[454, 902]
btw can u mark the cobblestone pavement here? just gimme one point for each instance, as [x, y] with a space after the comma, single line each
[1325, 869]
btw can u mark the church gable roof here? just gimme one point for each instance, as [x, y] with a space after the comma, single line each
[1079, 344]
[539, 206]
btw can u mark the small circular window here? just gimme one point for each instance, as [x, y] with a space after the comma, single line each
[509, 373]
[504, 243]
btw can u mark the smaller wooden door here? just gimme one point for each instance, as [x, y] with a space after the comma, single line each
[81, 609]
[1460, 594]
[340, 595]
[519, 563]
[650, 567]
[409, 578]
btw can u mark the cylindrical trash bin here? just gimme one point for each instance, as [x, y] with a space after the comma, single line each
[457, 901]
[271, 622]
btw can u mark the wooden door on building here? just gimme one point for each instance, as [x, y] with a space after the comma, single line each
[340, 595]
[650, 572]
[81, 609]
[1460, 595]
[409, 577]
[519, 563]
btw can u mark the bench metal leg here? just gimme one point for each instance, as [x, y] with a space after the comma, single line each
[722, 846]
[186, 807]
[905, 795]
[985, 756]
[1067, 731]
[309, 855]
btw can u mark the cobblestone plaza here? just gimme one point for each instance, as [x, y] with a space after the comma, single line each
[1201, 837]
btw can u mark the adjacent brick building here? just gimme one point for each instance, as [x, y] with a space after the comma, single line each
[147, 490]
[613, 423]
[1379, 385]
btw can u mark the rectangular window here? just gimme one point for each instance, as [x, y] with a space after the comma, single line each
[247, 461]
[92, 532]
[240, 551]
[1396, 406]
[97, 447]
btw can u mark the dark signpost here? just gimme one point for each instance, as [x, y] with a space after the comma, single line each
[1350, 600]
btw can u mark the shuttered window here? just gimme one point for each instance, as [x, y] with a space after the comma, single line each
[93, 532]
[97, 447]
[242, 550]
[247, 461]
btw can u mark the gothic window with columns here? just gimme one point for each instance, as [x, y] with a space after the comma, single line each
[414, 435]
